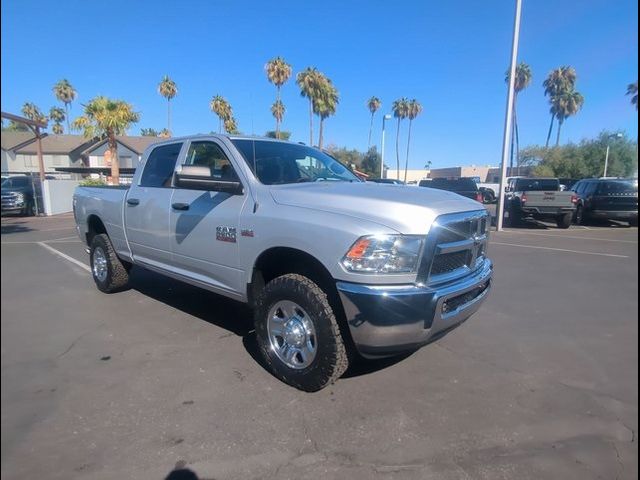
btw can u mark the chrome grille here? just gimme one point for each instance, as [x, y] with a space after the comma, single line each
[455, 246]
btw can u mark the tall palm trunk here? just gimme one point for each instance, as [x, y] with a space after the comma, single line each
[370, 130]
[219, 124]
[321, 133]
[169, 115]
[406, 162]
[66, 107]
[511, 152]
[277, 118]
[517, 145]
[550, 130]
[310, 123]
[115, 163]
[398, 151]
[560, 122]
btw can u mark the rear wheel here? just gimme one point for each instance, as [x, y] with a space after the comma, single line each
[107, 270]
[298, 334]
[564, 221]
[580, 215]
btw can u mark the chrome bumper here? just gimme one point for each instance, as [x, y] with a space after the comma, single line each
[387, 320]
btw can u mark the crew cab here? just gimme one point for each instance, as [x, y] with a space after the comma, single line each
[540, 199]
[330, 264]
[607, 199]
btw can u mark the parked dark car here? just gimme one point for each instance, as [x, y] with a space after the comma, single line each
[18, 195]
[607, 199]
[466, 187]
[391, 181]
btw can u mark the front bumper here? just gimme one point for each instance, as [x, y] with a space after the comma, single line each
[387, 320]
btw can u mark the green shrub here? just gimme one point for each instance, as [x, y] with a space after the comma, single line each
[93, 182]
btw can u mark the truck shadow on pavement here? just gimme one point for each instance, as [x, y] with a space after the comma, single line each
[233, 316]
[15, 227]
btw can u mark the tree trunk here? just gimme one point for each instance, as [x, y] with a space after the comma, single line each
[406, 162]
[169, 116]
[517, 146]
[370, 130]
[277, 119]
[310, 123]
[66, 107]
[219, 124]
[511, 153]
[560, 122]
[550, 130]
[320, 134]
[398, 151]
[115, 162]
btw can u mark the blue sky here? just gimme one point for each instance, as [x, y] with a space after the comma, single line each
[451, 56]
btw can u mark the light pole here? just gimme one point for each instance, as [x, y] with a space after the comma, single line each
[509, 115]
[606, 157]
[385, 117]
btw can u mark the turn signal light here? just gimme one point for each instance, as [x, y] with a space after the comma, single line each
[574, 199]
[359, 248]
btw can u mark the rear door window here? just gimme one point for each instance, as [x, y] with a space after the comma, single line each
[617, 188]
[160, 165]
[536, 184]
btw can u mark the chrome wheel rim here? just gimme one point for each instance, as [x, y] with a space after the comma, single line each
[100, 268]
[292, 336]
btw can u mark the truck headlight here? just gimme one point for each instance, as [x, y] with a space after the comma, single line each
[20, 197]
[384, 254]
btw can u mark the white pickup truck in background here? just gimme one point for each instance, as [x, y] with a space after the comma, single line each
[540, 199]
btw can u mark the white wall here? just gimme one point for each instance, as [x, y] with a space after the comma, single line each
[58, 196]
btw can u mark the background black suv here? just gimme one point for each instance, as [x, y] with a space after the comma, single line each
[607, 199]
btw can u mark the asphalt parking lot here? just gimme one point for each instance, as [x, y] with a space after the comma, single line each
[541, 383]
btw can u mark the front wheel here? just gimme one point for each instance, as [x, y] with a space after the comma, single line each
[564, 221]
[580, 215]
[107, 270]
[298, 334]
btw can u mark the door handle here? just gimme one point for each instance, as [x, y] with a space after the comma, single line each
[180, 206]
[133, 201]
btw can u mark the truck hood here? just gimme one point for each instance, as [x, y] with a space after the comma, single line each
[407, 210]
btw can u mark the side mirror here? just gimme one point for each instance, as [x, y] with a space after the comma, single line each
[195, 177]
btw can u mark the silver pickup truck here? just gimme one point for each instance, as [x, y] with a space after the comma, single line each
[539, 198]
[331, 265]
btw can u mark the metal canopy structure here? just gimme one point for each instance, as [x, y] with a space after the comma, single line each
[35, 127]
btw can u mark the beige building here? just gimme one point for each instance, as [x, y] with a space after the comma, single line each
[412, 175]
[457, 172]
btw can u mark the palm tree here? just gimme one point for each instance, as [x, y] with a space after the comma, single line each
[278, 72]
[57, 115]
[325, 104]
[522, 80]
[309, 81]
[221, 108]
[374, 105]
[559, 81]
[164, 133]
[565, 105]
[632, 89]
[413, 110]
[278, 110]
[32, 112]
[104, 117]
[230, 125]
[399, 108]
[168, 89]
[66, 94]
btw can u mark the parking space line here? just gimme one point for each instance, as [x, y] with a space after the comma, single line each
[570, 236]
[560, 250]
[65, 256]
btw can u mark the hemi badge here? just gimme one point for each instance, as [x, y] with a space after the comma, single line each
[246, 233]
[226, 234]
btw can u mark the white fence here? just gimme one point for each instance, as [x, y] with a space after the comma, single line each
[58, 196]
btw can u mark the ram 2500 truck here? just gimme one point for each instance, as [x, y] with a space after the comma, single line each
[331, 265]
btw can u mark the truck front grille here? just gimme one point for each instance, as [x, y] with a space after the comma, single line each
[455, 246]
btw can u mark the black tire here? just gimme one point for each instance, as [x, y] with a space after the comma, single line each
[564, 221]
[29, 210]
[488, 197]
[514, 218]
[116, 276]
[580, 215]
[331, 359]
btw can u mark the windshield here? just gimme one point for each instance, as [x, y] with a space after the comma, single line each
[15, 182]
[617, 187]
[537, 184]
[278, 163]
